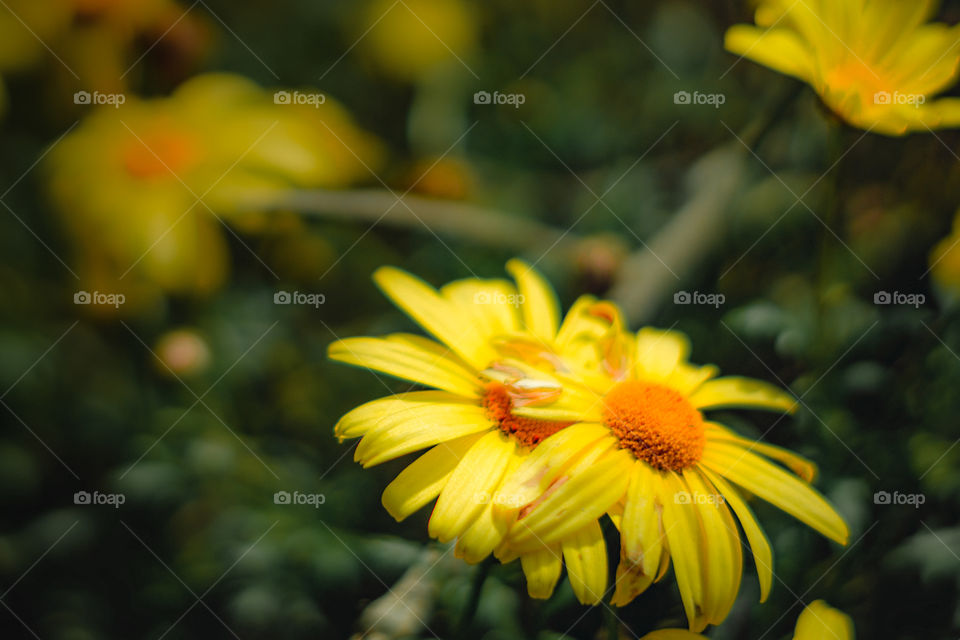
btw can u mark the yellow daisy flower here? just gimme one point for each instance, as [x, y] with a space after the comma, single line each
[671, 480]
[876, 63]
[490, 334]
[818, 621]
[141, 185]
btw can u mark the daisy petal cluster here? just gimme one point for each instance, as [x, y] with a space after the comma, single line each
[539, 430]
[878, 64]
[817, 622]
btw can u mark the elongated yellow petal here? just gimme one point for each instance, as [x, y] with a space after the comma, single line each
[640, 533]
[819, 621]
[631, 581]
[801, 466]
[438, 315]
[490, 527]
[542, 569]
[741, 392]
[423, 479]
[410, 358]
[546, 463]
[585, 554]
[659, 353]
[539, 303]
[723, 567]
[683, 531]
[364, 418]
[419, 425]
[493, 305]
[574, 499]
[470, 486]
[759, 545]
[776, 486]
[778, 49]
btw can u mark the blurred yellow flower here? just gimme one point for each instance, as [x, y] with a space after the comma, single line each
[410, 38]
[142, 186]
[671, 480]
[945, 260]
[818, 621]
[490, 334]
[876, 63]
[95, 40]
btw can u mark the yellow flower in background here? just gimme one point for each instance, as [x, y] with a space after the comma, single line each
[411, 38]
[818, 621]
[945, 260]
[490, 334]
[876, 63]
[672, 481]
[143, 187]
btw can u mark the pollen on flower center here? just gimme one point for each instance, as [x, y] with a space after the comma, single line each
[655, 423]
[527, 431]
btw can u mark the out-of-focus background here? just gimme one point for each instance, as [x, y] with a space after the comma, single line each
[194, 196]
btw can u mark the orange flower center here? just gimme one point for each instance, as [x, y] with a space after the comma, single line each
[527, 431]
[655, 423]
[156, 155]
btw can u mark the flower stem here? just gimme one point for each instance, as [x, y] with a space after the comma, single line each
[473, 599]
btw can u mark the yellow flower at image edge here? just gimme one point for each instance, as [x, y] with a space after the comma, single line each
[643, 452]
[876, 63]
[490, 334]
[818, 621]
[145, 187]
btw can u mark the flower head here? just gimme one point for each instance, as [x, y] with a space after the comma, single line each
[877, 64]
[491, 335]
[144, 186]
[673, 481]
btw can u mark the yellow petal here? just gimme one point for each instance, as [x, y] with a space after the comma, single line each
[723, 567]
[659, 353]
[410, 358]
[575, 498]
[542, 569]
[470, 486]
[492, 304]
[801, 466]
[742, 392]
[359, 421]
[423, 479]
[585, 554]
[538, 303]
[640, 533]
[444, 319]
[776, 486]
[490, 527]
[759, 545]
[631, 581]
[819, 621]
[779, 49]
[417, 426]
[546, 463]
[683, 531]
